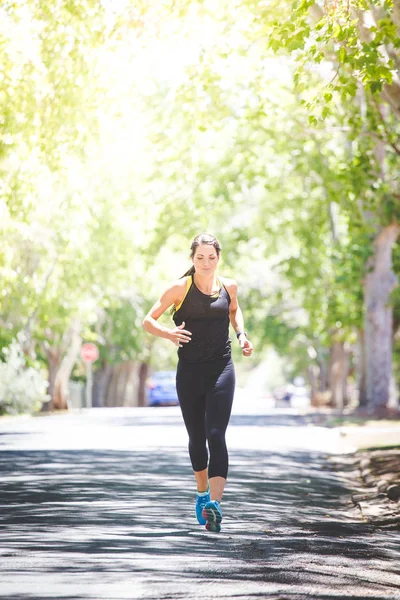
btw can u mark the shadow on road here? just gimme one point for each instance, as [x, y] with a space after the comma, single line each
[274, 419]
[72, 519]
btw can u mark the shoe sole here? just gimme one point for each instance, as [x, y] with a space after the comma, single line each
[213, 519]
[216, 527]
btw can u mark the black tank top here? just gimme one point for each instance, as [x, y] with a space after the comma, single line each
[207, 317]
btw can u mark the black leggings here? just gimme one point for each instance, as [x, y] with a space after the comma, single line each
[205, 392]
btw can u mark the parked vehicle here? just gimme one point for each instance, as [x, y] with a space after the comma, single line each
[293, 395]
[162, 389]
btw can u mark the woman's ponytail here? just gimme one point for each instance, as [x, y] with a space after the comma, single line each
[190, 272]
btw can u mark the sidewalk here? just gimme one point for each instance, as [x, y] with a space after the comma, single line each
[374, 467]
[378, 500]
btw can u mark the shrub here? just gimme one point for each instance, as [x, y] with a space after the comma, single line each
[22, 388]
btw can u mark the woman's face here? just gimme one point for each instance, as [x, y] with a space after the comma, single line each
[205, 259]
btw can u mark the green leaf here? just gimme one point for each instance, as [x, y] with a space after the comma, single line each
[375, 87]
[342, 55]
[275, 45]
[350, 88]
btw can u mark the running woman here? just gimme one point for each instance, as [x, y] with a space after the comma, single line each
[203, 304]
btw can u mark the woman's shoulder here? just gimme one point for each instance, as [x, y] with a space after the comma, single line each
[228, 282]
[180, 289]
[175, 289]
[183, 282]
[230, 285]
[180, 286]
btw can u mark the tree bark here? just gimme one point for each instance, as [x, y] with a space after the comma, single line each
[338, 373]
[378, 284]
[101, 380]
[130, 383]
[112, 397]
[123, 380]
[53, 365]
[361, 369]
[312, 373]
[122, 386]
[143, 374]
[318, 379]
[60, 392]
[396, 14]
[323, 374]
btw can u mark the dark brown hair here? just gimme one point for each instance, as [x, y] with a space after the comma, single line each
[202, 238]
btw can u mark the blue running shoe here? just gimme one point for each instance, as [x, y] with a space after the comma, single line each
[201, 501]
[212, 513]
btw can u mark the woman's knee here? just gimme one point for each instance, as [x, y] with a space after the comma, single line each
[197, 445]
[198, 455]
[216, 439]
[218, 466]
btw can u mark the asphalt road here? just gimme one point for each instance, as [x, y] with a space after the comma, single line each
[99, 505]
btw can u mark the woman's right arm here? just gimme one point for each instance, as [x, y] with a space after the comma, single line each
[172, 295]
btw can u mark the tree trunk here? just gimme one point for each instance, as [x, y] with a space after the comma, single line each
[130, 383]
[142, 391]
[112, 397]
[101, 380]
[123, 384]
[317, 377]
[379, 283]
[53, 365]
[323, 374]
[313, 380]
[361, 369]
[338, 373]
[60, 394]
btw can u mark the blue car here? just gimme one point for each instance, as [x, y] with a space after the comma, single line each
[162, 389]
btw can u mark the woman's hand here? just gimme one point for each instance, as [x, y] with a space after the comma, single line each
[246, 345]
[180, 335]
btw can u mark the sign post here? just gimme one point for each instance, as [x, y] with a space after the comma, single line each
[89, 353]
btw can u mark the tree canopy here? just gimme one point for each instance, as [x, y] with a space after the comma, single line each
[127, 128]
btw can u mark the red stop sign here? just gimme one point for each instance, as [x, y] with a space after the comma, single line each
[89, 352]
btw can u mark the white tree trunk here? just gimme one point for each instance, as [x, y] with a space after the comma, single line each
[131, 383]
[53, 364]
[60, 396]
[379, 283]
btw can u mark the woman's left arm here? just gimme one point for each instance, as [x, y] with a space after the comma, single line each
[236, 318]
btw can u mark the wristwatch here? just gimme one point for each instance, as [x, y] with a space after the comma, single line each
[241, 333]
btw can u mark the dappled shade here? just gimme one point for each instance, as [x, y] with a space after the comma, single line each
[119, 524]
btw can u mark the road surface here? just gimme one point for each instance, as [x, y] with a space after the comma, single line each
[99, 505]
